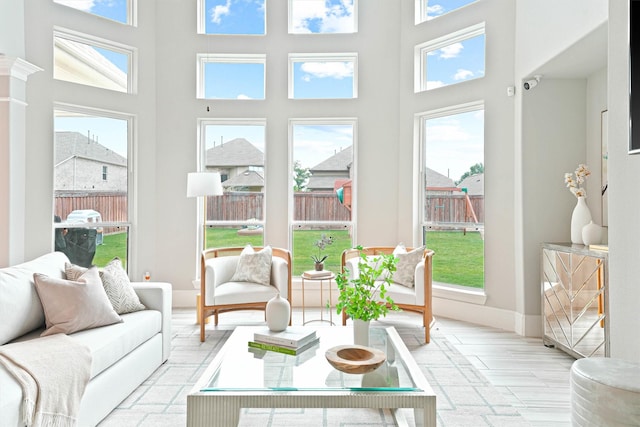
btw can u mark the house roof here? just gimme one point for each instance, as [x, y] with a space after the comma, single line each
[75, 144]
[341, 161]
[322, 182]
[474, 184]
[246, 179]
[237, 152]
[436, 179]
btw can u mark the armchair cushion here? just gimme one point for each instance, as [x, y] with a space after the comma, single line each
[406, 268]
[254, 267]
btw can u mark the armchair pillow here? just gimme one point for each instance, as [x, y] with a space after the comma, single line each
[406, 267]
[254, 266]
[74, 305]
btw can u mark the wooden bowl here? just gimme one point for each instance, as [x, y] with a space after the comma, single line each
[355, 359]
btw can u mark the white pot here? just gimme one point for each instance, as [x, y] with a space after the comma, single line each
[591, 234]
[361, 332]
[581, 216]
[278, 313]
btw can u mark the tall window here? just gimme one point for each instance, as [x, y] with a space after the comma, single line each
[235, 149]
[235, 17]
[86, 143]
[116, 10]
[322, 188]
[93, 62]
[452, 184]
[231, 76]
[450, 59]
[322, 16]
[317, 76]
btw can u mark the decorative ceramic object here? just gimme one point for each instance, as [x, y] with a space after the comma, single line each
[278, 313]
[592, 234]
[361, 332]
[319, 266]
[355, 359]
[581, 216]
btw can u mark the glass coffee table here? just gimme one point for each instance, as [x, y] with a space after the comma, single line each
[243, 377]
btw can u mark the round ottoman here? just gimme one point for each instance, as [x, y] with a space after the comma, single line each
[605, 392]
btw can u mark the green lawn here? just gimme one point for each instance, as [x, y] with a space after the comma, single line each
[458, 259]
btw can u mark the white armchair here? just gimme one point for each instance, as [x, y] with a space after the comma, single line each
[416, 298]
[219, 293]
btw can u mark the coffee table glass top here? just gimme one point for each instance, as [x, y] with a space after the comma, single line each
[237, 367]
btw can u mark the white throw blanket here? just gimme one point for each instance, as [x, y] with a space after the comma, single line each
[53, 372]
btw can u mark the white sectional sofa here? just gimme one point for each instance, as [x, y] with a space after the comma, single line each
[123, 354]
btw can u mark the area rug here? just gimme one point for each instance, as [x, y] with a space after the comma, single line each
[464, 396]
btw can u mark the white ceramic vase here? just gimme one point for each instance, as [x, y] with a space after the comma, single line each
[278, 313]
[581, 216]
[361, 332]
[591, 234]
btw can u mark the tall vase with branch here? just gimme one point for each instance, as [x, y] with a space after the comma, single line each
[581, 215]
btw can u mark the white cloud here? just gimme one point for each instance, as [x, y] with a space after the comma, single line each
[451, 51]
[243, 96]
[334, 70]
[434, 84]
[462, 74]
[84, 5]
[435, 10]
[219, 11]
[333, 18]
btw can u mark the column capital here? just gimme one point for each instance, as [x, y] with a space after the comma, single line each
[16, 67]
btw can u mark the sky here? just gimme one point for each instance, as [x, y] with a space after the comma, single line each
[453, 145]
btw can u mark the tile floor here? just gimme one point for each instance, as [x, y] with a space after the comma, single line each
[530, 377]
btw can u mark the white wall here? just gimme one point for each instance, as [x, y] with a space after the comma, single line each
[12, 28]
[624, 199]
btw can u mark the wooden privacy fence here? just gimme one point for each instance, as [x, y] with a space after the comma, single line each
[453, 208]
[242, 206]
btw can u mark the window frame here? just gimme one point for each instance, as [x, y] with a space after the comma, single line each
[228, 58]
[421, 7]
[202, 24]
[131, 8]
[131, 176]
[290, 21]
[322, 57]
[422, 50]
[129, 51]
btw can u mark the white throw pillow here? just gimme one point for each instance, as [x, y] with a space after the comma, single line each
[71, 306]
[118, 288]
[406, 267]
[254, 266]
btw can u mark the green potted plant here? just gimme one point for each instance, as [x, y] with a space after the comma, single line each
[363, 296]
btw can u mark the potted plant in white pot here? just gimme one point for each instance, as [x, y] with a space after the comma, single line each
[363, 294]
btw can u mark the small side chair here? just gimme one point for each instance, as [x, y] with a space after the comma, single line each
[417, 298]
[219, 294]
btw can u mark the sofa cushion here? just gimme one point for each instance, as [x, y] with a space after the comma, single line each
[20, 307]
[116, 284]
[406, 267]
[71, 306]
[254, 267]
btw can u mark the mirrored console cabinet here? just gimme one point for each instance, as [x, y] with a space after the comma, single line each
[575, 299]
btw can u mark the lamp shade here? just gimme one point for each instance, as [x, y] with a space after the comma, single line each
[204, 184]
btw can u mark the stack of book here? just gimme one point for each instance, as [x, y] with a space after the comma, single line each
[293, 340]
[314, 274]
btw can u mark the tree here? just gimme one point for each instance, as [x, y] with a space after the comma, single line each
[474, 170]
[300, 176]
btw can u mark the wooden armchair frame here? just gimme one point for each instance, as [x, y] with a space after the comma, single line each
[207, 310]
[425, 308]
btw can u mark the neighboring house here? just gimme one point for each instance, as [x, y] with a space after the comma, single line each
[325, 174]
[436, 182]
[239, 162]
[82, 164]
[474, 184]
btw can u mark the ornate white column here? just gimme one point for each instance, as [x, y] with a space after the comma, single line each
[13, 80]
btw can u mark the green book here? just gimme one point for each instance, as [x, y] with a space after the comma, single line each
[281, 349]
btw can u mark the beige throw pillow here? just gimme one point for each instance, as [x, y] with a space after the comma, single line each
[254, 266]
[116, 284]
[406, 267]
[74, 305]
